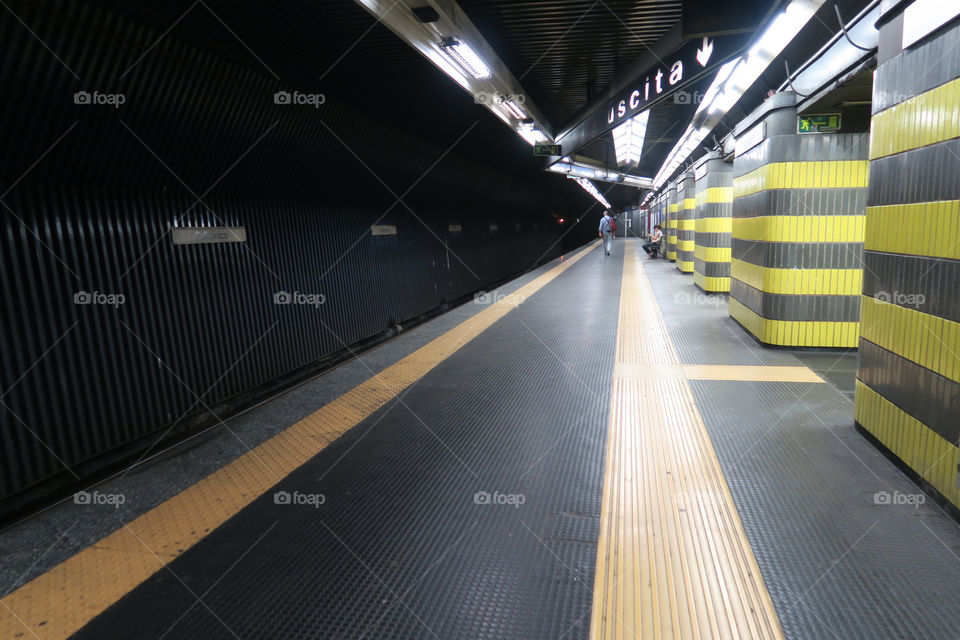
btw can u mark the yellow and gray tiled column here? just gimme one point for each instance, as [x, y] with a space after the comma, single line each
[686, 222]
[671, 228]
[714, 209]
[797, 236]
[908, 382]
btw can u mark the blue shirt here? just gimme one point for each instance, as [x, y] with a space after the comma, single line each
[605, 222]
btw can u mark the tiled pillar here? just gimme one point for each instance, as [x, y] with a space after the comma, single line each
[908, 382]
[671, 230]
[714, 209]
[686, 222]
[797, 237]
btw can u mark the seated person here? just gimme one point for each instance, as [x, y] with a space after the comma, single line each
[653, 247]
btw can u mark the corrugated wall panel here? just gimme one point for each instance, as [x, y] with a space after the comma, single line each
[198, 331]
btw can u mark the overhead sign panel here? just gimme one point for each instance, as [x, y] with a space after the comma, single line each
[674, 72]
[547, 150]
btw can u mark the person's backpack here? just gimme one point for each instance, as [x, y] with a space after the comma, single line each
[613, 225]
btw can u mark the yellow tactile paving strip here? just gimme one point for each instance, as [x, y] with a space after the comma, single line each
[749, 373]
[61, 601]
[673, 560]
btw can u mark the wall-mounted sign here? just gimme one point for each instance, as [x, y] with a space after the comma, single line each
[688, 62]
[818, 123]
[383, 230]
[207, 235]
[454, 227]
[493, 226]
[547, 150]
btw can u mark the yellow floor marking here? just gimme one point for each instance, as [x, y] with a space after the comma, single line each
[750, 373]
[59, 602]
[741, 373]
[673, 560]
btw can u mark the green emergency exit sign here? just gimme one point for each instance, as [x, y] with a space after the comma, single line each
[818, 123]
[546, 150]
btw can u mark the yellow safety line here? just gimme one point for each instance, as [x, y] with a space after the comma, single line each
[61, 601]
[673, 560]
[750, 373]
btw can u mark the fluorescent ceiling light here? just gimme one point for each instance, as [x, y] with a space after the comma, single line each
[466, 58]
[590, 188]
[530, 133]
[513, 108]
[732, 81]
[628, 138]
[570, 168]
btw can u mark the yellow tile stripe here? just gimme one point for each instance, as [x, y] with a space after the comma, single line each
[673, 560]
[750, 373]
[925, 451]
[687, 224]
[795, 333]
[906, 228]
[840, 282]
[711, 283]
[673, 208]
[715, 194]
[714, 225]
[712, 254]
[689, 204]
[923, 120]
[800, 228]
[825, 174]
[928, 340]
[64, 599]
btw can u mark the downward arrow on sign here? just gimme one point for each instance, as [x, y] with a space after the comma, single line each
[704, 52]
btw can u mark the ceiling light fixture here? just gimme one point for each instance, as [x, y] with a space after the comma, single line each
[465, 57]
[732, 81]
[590, 188]
[514, 109]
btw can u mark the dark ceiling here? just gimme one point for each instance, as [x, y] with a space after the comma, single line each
[565, 52]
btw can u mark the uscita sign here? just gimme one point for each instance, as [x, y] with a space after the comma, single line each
[655, 84]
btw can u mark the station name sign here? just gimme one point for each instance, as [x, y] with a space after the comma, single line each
[687, 63]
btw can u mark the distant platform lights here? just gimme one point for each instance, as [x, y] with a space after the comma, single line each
[733, 80]
[465, 58]
[590, 188]
[628, 138]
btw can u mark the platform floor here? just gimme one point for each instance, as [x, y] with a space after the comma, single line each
[596, 452]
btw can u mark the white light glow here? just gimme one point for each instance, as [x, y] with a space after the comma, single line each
[513, 108]
[733, 79]
[586, 171]
[466, 58]
[531, 134]
[628, 138]
[590, 188]
[444, 63]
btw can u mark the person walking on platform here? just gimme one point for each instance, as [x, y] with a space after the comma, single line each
[607, 229]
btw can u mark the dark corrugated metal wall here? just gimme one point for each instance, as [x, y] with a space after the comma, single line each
[89, 192]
